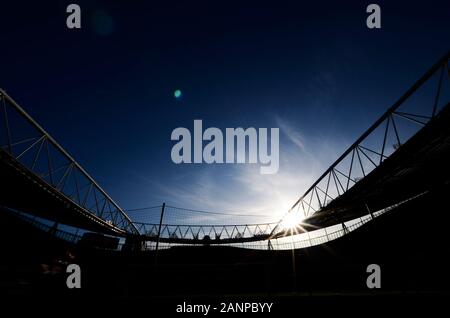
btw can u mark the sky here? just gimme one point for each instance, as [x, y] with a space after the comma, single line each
[105, 92]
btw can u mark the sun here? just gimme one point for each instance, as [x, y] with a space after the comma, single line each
[292, 221]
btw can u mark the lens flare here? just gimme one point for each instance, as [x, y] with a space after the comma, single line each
[177, 94]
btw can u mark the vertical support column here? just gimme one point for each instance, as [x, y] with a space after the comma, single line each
[370, 211]
[294, 271]
[8, 131]
[159, 232]
[436, 100]
[344, 228]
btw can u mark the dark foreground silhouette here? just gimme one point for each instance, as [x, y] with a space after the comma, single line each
[410, 243]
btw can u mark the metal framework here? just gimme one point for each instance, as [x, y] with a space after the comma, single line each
[40, 156]
[27, 145]
[372, 148]
[217, 234]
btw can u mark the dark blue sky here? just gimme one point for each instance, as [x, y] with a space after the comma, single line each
[105, 92]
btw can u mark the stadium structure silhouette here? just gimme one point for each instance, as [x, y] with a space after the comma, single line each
[383, 201]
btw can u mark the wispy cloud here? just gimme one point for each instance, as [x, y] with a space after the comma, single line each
[241, 188]
[290, 132]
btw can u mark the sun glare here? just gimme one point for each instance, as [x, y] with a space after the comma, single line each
[292, 221]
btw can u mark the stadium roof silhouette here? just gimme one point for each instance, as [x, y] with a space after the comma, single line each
[41, 178]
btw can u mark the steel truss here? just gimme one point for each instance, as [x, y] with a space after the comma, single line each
[27, 144]
[216, 234]
[372, 148]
